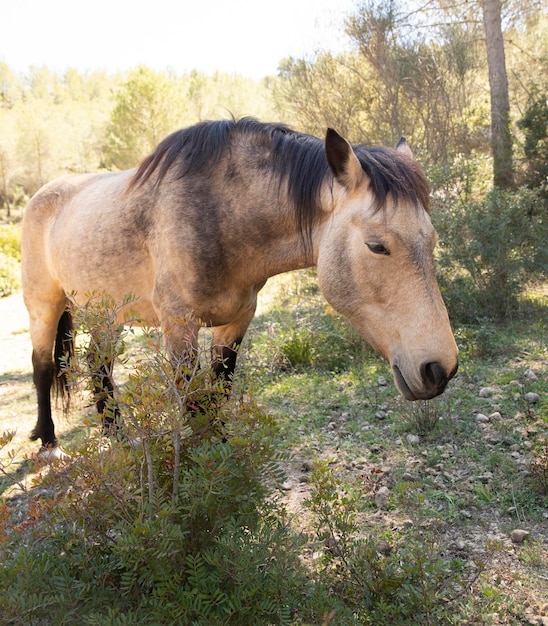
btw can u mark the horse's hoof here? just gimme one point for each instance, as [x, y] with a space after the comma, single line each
[52, 453]
[104, 444]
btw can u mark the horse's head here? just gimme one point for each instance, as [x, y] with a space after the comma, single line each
[376, 266]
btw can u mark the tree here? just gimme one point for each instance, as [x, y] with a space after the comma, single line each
[35, 144]
[331, 91]
[501, 137]
[148, 107]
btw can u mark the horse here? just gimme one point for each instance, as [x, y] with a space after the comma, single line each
[195, 231]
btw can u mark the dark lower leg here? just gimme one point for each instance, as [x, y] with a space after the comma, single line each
[104, 399]
[224, 364]
[43, 378]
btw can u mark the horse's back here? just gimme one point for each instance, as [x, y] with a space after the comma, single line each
[38, 220]
[77, 236]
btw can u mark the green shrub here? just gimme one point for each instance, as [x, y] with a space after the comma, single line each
[534, 124]
[181, 526]
[490, 250]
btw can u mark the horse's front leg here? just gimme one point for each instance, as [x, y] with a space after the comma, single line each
[226, 343]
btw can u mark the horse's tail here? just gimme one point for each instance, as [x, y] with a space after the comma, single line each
[63, 354]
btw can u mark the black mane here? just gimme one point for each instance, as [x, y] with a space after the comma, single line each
[297, 158]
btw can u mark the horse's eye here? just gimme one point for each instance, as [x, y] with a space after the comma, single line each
[377, 248]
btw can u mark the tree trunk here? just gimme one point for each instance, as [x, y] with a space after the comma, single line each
[501, 139]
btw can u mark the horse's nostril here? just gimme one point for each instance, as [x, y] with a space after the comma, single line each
[434, 375]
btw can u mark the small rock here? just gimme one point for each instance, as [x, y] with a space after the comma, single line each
[413, 440]
[493, 437]
[486, 392]
[482, 419]
[381, 381]
[286, 486]
[518, 535]
[460, 545]
[382, 496]
[485, 478]
[381, 415]
[531, 397]
[494, 417]
[530, 375]
[465, 513]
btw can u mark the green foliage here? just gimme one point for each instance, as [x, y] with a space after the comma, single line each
[324, 341]
[402, 581]
[397, 80]
[309, 95]
[148, 107]
[534, 124]
[177, 527]
[424, 416]
[490, 249]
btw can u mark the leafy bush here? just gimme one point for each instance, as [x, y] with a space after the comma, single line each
[181, 526]
[534, 125]
[490, 249]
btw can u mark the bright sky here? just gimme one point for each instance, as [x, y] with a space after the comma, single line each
[247, 37]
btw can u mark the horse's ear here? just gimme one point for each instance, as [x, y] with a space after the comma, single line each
[342, 160]
[403, 146]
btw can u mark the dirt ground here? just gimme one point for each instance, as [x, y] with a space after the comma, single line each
[15, 370]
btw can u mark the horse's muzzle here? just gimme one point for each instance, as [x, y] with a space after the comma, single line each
[434, 379]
